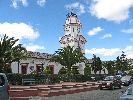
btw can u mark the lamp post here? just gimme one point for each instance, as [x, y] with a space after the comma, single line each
[42, 67]
[18, 64]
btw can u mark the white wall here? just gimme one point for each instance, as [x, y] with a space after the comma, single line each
[33, 62]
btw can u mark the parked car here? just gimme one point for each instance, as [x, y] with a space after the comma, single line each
[93, 78]
[120, 73]
[4, 87]
[128, 94]
[110, 82]
[126, 80]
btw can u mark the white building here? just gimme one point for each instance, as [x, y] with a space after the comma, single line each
[73, 36]
[37, 61]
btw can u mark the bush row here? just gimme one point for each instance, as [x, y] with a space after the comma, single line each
[49, 79]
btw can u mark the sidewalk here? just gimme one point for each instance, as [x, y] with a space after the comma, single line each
[51, 92]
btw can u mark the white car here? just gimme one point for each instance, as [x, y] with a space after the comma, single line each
[126, 80]
[4, 87]
[128, 95]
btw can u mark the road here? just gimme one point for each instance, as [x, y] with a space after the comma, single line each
[90, 95]
[104, 94]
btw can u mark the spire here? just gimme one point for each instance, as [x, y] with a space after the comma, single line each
[71, 14]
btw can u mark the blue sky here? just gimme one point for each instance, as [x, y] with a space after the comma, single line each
[38, 24]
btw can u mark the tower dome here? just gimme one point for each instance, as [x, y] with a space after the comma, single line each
[72, 24]
[72, 19]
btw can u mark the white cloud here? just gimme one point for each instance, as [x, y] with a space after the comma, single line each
[131, 39]
[103, 51]
[130, 30]
[24, 2]
[33, 47]
[76, 6]
[111, 52]
[18, 30]
[106, 36]
[16, 3]
[131, 21]
[41, 2]
[94, 31]
[112, 10]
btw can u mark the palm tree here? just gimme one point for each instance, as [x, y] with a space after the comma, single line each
[10, 52]
[68, 56]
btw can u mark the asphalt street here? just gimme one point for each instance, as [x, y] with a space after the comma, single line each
[105, 94]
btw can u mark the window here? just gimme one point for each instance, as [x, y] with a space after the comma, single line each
[51, 67]
[73, 29]
[24, 69]
[2, 80]
[39, 68]
[129, 91]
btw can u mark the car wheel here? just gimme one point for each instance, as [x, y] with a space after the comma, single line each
[112, 87]
[119, 86]
[128, 83]
[101, 88]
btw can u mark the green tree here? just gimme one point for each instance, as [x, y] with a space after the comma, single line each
[47, 71]
[68, 56]
[109, 65]
[87, 70]
[10, 52]
[62, 71]
[122, 63]
[74, 70]
[96, 64]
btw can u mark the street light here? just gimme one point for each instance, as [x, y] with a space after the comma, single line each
[42, 66]
[18, 64]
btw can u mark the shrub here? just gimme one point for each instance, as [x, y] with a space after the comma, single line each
[87, 70]
[16, 79]
[47, 71]
[62, 71]
[74, 70]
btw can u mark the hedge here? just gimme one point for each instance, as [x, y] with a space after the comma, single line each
[16, 79]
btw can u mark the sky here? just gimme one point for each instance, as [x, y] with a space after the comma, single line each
[38, 24]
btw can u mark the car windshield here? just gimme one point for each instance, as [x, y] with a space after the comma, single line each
[117, 77]
[126, 78]
[2, 80]
[129, 91]
[109, 78]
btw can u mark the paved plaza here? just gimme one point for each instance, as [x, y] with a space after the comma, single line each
[64, 91]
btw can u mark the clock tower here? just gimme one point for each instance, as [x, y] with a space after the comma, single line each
[72, 30]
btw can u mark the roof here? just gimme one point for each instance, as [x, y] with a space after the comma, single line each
[39, 55]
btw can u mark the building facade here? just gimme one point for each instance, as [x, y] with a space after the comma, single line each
[38, 61]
